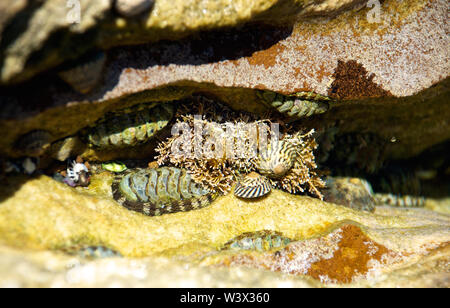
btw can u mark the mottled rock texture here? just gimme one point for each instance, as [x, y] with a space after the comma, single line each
[388, 77]
[365, 66]
[44, 33]
[334, 244]
[351, 192]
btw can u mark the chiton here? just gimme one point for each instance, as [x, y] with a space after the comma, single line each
[92, 252]
[131, 128]
[264, 240]
[400, 187]
[159, 191]
[299, 105]
[400, 200]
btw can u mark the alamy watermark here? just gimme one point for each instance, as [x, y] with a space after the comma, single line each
[74, 14]
[210, 140]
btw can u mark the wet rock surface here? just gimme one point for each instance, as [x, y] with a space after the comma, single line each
[332, 244]
[353, 63]
[381, 120]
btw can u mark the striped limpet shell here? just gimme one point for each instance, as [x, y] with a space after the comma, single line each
[164, 190]
[253, 186]
[278, 160]
[275, 163]
[299, 105]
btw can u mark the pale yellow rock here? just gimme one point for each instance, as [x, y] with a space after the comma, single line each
[46, 215]
[45, 269]
[130, 8]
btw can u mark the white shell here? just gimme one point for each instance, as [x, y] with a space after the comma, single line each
[74, 172]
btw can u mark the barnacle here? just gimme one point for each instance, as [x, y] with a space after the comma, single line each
[287, 163]
[264, 240]
[299, 105]
[155, 192]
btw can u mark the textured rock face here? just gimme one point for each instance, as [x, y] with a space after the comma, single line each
[333, 244]
[86, 24]
[131, 8]
[346, 57]
[385, 69]
[45, 269]
[47, 20]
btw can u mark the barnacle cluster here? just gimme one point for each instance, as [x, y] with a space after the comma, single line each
[303, 172]
[287, 162]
